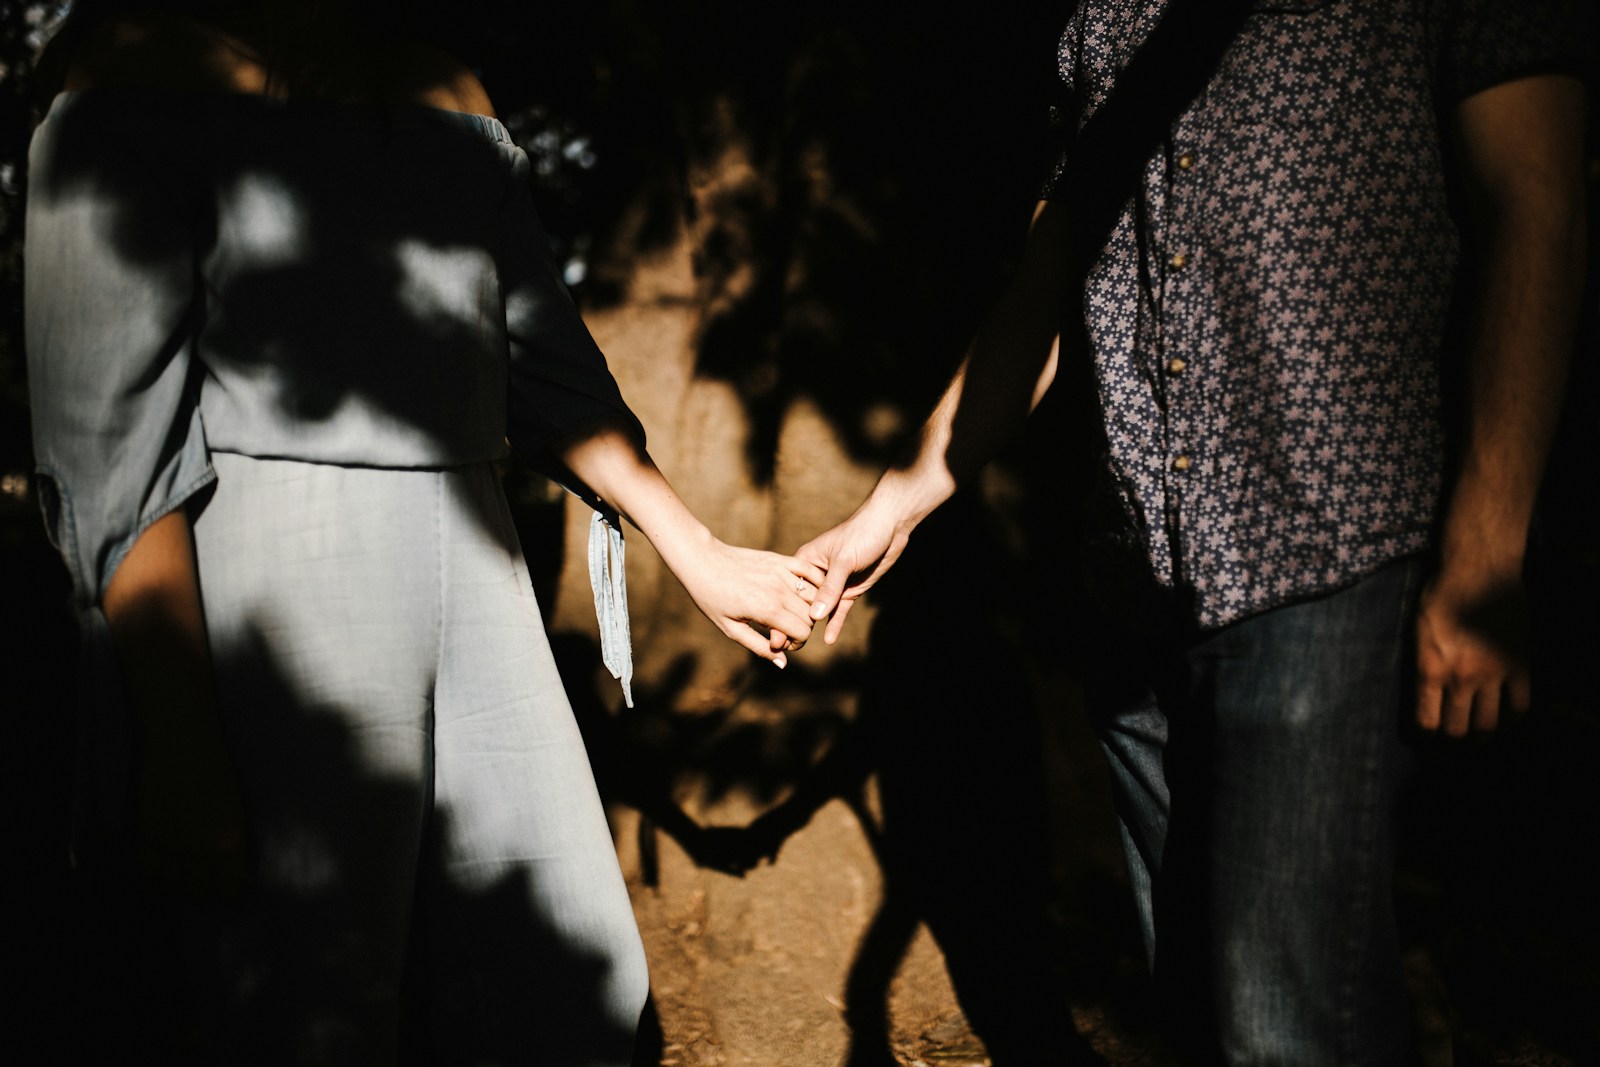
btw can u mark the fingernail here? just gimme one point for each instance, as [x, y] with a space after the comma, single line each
[781, 660]
[818, 609]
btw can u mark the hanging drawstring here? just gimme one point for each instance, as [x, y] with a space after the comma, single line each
[608, 578]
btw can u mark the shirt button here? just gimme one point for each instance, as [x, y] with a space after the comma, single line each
[1186, 161]
[1176, 366]
[1178, 261]
[1180, 463]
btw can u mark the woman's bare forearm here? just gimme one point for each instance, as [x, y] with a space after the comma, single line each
[152, 605]
[189, 811]
[750, 595]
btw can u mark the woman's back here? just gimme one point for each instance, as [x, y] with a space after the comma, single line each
[272, 335]
[339, 279]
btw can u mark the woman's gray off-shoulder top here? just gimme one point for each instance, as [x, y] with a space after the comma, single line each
[292, 279]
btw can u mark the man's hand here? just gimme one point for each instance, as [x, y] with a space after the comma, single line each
[1472, 662]
[855, 554]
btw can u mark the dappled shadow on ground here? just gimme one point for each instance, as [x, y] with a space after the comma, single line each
[943, 761]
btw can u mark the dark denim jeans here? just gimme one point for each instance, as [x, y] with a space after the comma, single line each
[1256, 770]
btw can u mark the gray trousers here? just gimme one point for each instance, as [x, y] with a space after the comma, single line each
[414, 780]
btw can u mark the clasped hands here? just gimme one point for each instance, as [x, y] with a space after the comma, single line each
[745, 591]
[821, 582]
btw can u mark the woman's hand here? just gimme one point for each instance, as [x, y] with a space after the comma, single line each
[760, 599]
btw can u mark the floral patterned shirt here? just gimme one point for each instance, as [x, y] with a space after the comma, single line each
[1266, 310]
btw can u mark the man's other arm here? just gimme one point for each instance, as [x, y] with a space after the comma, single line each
[1521, 147]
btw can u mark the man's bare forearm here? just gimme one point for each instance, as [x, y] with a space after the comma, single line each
[1007, 370]
[1521, 146]
[1528, 217]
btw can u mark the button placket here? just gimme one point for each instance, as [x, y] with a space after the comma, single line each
[1175, 368]
[1184, 161]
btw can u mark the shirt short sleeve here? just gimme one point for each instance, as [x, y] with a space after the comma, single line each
[111, 313]
[1062, 106]
[1488, 42]
[559, 385]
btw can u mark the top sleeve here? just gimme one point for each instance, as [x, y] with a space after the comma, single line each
[1063, 104]
[559, 385]
[111, 311]
[1490, 42]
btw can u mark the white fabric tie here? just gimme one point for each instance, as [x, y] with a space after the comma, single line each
[608, 577]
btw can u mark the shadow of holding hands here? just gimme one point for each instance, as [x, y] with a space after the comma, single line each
[946, 762]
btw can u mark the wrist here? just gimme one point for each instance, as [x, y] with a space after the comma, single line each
[1473, 560]
[1482, 544]
[681, 540]
[903, 498]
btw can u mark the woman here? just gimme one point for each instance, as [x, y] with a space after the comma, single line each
[278, 267]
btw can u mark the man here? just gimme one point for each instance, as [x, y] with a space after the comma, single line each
[1257, 249]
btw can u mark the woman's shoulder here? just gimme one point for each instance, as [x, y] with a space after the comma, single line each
[161, 50]
[164, 50]
[431, 77]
